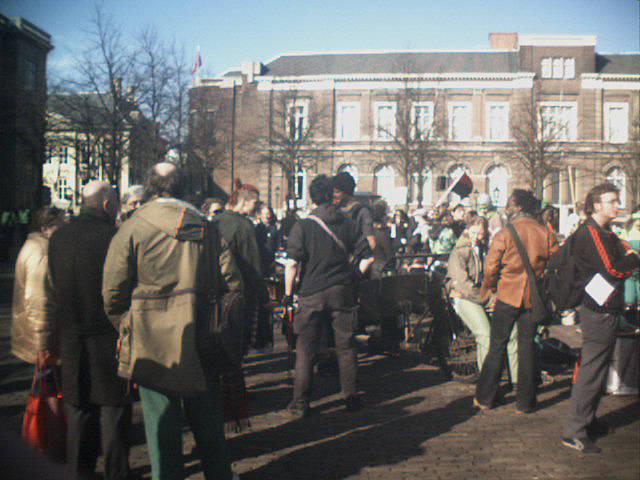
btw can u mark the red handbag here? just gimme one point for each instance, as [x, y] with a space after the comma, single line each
[44, 426]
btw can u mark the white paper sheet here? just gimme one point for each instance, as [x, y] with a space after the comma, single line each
[599, 289]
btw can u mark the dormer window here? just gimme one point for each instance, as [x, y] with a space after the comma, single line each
[558, 68]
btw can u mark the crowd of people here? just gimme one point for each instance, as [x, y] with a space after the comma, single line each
[121, 299]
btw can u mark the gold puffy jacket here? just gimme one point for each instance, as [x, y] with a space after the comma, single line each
[32, 329]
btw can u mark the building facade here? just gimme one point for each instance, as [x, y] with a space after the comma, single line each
[407, 123]
[83, 145]
[23, 92]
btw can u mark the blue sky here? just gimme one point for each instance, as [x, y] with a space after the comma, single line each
[230, 32]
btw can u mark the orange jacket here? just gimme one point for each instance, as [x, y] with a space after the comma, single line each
[504, 272]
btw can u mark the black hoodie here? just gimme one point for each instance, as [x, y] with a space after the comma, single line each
[324, 263]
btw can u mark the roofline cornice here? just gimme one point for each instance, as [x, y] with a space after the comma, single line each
[610, 76]
[396, 77]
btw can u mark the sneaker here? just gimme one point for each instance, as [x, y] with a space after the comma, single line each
[298, 409]
[598, 429]
[583, 445]
[479, 406]
[353, 403]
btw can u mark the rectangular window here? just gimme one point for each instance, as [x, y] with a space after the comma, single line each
[385, 121]
[559, 121]
[297, 119]
[616, 122]
[64, 155]
[30, 75]
[459, 121]
[423, 120]
[348, 121]
[557, 68]
[497, 122]
[569, 68]
[546, 68]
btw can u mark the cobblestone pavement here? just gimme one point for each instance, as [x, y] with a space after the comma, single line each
[414, 425]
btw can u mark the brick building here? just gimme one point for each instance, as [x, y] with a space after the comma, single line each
[466, 110]
[23, 92]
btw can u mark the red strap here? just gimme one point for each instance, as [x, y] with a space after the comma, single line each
[603, 254]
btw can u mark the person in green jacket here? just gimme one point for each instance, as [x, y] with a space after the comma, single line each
[238, 231]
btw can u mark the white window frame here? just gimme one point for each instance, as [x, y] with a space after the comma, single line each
[379, 134]
[469, 107]
[557, 68]
[340, 122]
[500, 183]
[620, 181]
[488, 134]
[545, 67]
[572, 127]
[387, 174]
[427, 130]
[607, 122]
[295, 104]
[569, 65]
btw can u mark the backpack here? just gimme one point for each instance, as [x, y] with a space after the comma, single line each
[560, 277]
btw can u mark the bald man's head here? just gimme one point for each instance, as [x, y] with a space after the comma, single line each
[164, 180]
[100, 196]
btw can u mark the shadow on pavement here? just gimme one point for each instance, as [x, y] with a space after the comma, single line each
[388, 437]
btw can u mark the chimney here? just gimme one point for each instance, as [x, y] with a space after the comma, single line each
[503, 41]
[251, 69]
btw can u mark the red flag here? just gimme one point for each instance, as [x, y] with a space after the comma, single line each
[197, 64]
[463, 186]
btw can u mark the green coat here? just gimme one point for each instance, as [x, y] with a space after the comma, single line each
[161, 270]
[239, 234]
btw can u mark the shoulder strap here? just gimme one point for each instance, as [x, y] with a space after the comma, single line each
[523, 255]
[323, 225]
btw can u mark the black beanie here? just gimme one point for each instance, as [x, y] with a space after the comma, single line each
[344, 182]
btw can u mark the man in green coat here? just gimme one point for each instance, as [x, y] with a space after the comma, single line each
[161, 271]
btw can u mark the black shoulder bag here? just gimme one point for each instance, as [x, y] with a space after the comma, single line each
[540, 308]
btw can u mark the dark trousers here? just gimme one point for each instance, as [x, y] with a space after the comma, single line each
[87, 427]
[502, 322]
[336, 303]
[598, 341]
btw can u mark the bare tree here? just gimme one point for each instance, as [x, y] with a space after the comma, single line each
[294, 122]
[629, 153]
[153, 80]
[416, 136]
[209, 140]
[539, 141]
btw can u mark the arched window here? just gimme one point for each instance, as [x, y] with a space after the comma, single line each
[498, 185]
[385, 181]
[427, 188]
[454, 173]
[350, 169]
[617, 176]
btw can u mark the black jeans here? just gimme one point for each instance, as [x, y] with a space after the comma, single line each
[86, 427]
[338, 303]
[504, 317]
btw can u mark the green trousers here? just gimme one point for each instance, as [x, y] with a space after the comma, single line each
[164, 417]
[475, 317]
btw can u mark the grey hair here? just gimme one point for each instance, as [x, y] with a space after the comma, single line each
[133, 191]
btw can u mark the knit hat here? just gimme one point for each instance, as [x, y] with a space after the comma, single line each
[344, 182]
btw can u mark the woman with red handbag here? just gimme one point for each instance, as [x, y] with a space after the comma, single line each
[32, 336]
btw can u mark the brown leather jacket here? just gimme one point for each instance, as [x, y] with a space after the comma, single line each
[504, 272]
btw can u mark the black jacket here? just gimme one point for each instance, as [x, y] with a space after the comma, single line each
[87, 339]
[324, 263]
[599, 250]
